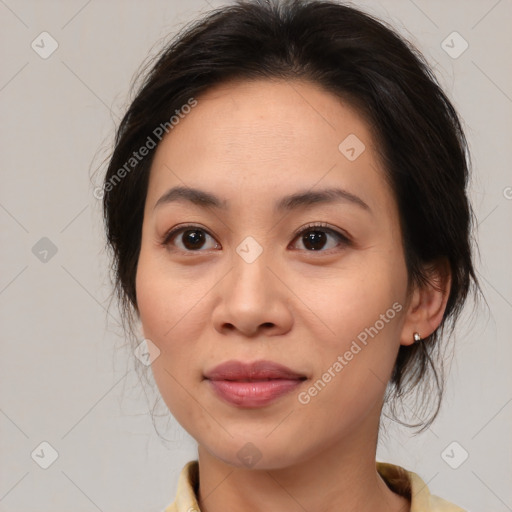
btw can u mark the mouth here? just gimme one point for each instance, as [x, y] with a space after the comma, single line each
[252, 380]
[253, 371]
[252, 385]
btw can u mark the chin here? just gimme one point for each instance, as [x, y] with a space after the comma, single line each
[256, 452]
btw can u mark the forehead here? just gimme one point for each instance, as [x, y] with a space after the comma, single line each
[260, 137]
[275, 114]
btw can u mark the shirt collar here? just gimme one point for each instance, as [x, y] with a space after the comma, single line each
[403, 482]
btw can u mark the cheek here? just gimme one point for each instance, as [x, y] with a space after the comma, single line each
[168, 310]
[349, 300]
[166, 315]
[167, 300]
[363, 311]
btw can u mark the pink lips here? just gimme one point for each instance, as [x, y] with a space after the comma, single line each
[252, 384]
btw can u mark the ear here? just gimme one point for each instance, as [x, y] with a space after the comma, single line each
[427, 302]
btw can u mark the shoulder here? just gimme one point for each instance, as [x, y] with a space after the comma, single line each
[438, 504]
[409, 484]
[185, 500]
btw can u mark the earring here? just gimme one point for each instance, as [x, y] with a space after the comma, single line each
[417, 337]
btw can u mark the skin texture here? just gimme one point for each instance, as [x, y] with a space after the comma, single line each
[251, 143]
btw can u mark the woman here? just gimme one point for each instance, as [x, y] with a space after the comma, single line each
[286, 206]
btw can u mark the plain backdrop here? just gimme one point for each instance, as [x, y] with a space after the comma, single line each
[66, 378]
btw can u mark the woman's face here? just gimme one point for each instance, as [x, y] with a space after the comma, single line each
[254, 278]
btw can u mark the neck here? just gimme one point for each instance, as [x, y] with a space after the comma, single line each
[341, 477]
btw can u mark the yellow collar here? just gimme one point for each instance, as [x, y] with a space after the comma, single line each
[403, 482]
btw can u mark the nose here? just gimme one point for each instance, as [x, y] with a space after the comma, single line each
[252, 300]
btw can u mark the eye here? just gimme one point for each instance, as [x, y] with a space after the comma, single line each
[189, 239]
[315, 237]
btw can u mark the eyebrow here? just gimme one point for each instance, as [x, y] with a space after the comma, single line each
[287, 203]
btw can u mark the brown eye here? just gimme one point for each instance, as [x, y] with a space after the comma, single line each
[314, 240]
[189, 239]
[319, 238]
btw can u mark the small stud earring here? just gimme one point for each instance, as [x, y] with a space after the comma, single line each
[417, 337]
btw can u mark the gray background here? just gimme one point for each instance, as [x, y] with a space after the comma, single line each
[65, 377]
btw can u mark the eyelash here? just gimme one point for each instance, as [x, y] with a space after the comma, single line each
[322, 227]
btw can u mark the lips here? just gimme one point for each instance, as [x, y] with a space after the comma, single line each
[256, 371]
[252, 384]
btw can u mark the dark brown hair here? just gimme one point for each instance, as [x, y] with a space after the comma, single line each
[357, 58]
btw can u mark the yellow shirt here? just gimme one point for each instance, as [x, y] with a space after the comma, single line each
[401, 481]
